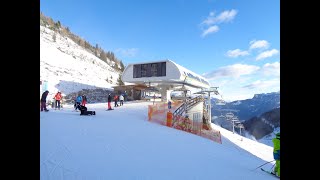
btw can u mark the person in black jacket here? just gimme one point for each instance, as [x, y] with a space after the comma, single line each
[44, 100]
[109, 101]
[84, 111]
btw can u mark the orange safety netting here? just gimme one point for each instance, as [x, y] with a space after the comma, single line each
[158, 113]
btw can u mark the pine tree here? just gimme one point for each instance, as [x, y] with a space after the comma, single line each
[122, 66]
[86, 45]
[120, 82]
[103, 56]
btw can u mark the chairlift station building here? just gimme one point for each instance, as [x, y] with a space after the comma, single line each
[166, 75]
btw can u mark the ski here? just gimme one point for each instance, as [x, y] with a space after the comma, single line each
[271, 173]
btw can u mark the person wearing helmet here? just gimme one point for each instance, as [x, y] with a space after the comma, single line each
[276, 153]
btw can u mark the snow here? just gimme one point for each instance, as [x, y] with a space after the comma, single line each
[68, 67]
[123, 144]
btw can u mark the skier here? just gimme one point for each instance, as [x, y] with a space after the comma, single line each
[78, 102]
[84, 111]
[44, 100]
[116, 101]
[58, 97]
[121, 98]
[84, 100]
[109, 102]
[276, 153]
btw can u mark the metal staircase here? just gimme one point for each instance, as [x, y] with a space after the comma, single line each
[187, 105]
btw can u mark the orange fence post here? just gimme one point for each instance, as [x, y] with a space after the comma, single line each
[149, 112]
[169, 118]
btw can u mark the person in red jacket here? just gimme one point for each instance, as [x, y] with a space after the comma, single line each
[58, 98]
[84, 100]
[116, 100]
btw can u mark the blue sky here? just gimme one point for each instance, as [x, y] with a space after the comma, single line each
[234, 44]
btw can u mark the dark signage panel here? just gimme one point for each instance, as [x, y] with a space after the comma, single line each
[149, 70]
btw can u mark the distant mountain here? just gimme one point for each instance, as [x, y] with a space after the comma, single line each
[259, 115]
[246, 109]
[264, 124]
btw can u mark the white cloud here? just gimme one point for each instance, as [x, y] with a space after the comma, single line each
[213, 20]
[271, 69]
[267, 54]
[239, 81]
[232, 96]
[127, 52]
[211, 29]
[236, 53]
[245, 87]
[242, 81]
[259, 44]
[268, 84]
[234, 71]
[225, 16]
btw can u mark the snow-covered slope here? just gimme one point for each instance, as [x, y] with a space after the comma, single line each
[68, 67]
[123, 145]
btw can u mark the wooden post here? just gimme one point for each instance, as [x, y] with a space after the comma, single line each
[150, 109]
[169, 118]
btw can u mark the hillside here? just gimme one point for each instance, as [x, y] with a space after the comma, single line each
[68, 67]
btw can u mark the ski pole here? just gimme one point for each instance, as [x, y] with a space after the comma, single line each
[272, 167]
[264, 164]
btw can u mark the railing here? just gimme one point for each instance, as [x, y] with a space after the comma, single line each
[189, 104]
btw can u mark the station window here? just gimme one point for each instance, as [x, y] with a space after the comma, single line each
[154, 69]
[144, 69]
